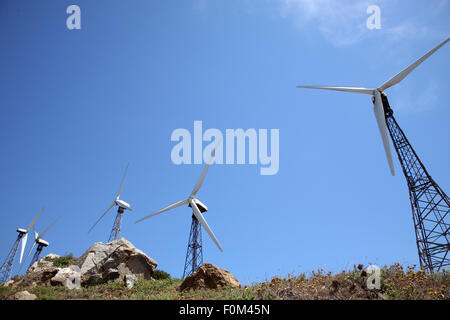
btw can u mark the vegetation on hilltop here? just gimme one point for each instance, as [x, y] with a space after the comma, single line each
[396, 283]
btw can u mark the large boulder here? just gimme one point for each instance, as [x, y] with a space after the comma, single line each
[68, 277]
[24, 295]
[130, 279]
[9, 283]
[103, 262]
[209, 276]
[40, 272]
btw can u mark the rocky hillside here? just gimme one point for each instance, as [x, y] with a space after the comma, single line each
[117, 270]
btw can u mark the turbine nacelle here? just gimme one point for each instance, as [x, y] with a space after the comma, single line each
[122, 204]
[43, 242]
[20, 230]
[201, 206]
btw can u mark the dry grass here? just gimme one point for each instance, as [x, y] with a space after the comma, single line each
[350, 285]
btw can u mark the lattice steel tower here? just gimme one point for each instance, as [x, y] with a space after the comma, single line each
[116, 230]
[41, 244]
[429, 203]
[6, 269]
[194, 254]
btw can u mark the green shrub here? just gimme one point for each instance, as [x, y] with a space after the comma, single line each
[4, 292]
[160, 275]
[46, 293]
[65, 261]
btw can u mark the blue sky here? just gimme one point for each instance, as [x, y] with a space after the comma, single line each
[77, 105]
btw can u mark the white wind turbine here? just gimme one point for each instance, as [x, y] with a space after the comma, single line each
[377, 99]
[25, 237]
[194, 255]
[6, 267]
[429, 204]
[122, 205]
[38, 239]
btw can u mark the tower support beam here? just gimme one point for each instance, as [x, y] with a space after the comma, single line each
[116, 229]
[6, 268]
[429, 203]
[194, 254]
[36, 254]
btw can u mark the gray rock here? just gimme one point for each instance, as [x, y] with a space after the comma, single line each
[68, 277]
[9, 283]
[24, 295]
[130, 279]
[104, 262]
[51, 257]
[43, 263]
[40, 272]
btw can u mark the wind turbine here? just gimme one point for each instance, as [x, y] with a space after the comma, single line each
[6, 269]
[40, 242]
[430, 205]
[194, 255]
[122, 205]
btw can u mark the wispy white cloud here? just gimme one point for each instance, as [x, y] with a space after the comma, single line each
[408, 29]
[343, 22]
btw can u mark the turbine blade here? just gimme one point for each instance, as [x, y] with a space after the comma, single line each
[48, 228]
[346, 89]
[112, 205]
[174, 205]
[29, 252]
[24, 243]
[199, 183]
[34, 220]
[121, 183]
[381, 120]
[202, 220]
[401, 75]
